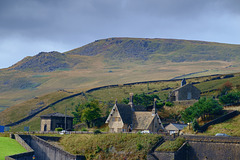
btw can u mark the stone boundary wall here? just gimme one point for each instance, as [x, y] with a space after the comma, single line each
[213, 147]
[95, 89]
[21, 156]
[23, 143]
[213, 139]
[185, 102]
[46, 151]
[218, 120]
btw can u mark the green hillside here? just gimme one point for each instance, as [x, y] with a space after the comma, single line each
[159, 49]
[114, 61]
[107, 97]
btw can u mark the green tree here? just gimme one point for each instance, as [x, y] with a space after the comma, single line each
[195, 125]
[144, 100]
[230, 98]
[201, 108]
[87, 112]
[90, 113]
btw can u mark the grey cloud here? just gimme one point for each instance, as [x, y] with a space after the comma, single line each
[65, 24]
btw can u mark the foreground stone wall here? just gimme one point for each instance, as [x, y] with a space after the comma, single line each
[202, 148]
[212, 147]
[46, 151]
[22, 156]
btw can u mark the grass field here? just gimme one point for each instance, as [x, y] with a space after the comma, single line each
[110, 146]
[9, 146]
[107, 96]
[230, 127]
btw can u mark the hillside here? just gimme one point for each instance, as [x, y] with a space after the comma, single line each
[159, 49]
[107, 96]
[114, 61]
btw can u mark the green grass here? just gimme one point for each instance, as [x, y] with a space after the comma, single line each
[230, 127]
[107, 96]
[110, 146]
[171, 145]
[9, 146]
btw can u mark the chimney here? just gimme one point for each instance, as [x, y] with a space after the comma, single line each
[154, 110]
[183, 82]
[131, 101]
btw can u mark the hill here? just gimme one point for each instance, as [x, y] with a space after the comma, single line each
[107, 95]
[114, 61]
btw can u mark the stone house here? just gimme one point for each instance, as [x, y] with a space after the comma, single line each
[56, 120]
[175, 128]
[185, 92]
[131, 118]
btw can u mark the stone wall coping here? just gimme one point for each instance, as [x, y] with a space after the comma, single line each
[212, 139]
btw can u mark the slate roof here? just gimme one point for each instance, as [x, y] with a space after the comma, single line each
[125, 112]
[142, 120]
[55, 115]
[175, 126]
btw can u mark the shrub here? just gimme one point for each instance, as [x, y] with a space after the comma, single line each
[84, 129]
[202, 108]
[98, 149]
[230, 98]
[169, 104]
[195, 125]
[139, 146]
[58, 129]
[97, 131]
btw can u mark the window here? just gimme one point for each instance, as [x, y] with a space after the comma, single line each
[113, 119]
[189, 95]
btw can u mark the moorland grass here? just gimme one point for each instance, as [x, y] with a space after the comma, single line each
[230, 127]
[110, 146]
[171, 145]
[9, 146]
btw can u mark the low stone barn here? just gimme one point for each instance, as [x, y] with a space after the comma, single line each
[56, 120]
[175, 128]
[185, 92]
[130, 118]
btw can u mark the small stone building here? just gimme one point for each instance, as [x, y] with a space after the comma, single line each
[185, 92]
[175, 128]
[130, 118]
[56, 120]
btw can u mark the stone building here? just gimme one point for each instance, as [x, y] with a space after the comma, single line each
[175, 128]
[185, 92]
[56, 120]
[131, 118]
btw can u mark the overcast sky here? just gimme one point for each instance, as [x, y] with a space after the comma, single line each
[28, 27]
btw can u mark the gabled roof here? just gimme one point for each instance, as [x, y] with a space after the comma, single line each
[183, 87]
[55, 115]
[142, 120]
[125, 112]
[175, 126]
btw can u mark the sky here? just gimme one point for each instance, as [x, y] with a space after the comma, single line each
[28, 27]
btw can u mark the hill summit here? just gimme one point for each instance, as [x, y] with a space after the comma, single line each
[132, 49]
